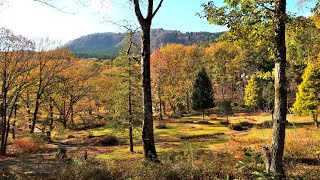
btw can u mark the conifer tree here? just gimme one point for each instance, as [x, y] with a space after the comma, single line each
[202, 94]
[252, 96]
[308, 96]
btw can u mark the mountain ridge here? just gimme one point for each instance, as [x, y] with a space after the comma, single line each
[108, 44]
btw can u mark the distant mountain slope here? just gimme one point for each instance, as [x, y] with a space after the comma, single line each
[107, 45]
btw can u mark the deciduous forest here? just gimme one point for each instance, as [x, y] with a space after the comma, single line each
[242, 105]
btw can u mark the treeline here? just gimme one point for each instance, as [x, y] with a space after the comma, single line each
[241, 69]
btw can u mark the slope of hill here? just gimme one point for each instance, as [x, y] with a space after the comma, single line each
[107, 45]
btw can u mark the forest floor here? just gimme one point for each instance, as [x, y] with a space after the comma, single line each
[184, 134]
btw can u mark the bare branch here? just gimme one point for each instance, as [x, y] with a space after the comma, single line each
[54, 7]
[157, 9]
[137, 10]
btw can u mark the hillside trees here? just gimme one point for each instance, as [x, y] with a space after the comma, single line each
[72, 85]
[168, 63]
[225, 63]
[16, 53]
[308, 96]
[202, 93]
[48, 64]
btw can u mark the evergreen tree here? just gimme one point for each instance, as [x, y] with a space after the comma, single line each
[252, 96]
[202, 94]
[308, 96]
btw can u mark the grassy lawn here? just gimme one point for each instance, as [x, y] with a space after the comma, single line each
[188, 133]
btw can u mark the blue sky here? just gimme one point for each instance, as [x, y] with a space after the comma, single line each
[35, 20]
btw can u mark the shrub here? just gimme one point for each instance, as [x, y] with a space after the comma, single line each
[246, 124]
[236, 127]
[204, 122]
[107, 140]
[26, 146]
[265, 124]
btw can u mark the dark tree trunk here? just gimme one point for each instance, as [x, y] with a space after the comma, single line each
[280, 111]
[35, 113]
[147, 124]
[51, 121]
[3, 114]
[202, 114]
[315, 120]
[130, 107]
[131, 138]
[13, 129]
[149, 149]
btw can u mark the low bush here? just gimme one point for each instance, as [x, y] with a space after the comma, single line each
[107, 140]
[265, 125]
[26, 146]
[204, 122]
[236, 127]
[246, 124]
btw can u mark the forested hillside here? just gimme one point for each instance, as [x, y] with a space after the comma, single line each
[107, 45]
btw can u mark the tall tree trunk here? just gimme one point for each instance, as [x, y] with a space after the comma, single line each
[35, 113]
[149, 149]
[202, 114]
[131, 138]
[3, 115]
[130, 107]
[147, 124]
[51, 121]
[13, 129]
[280, 111]
[188, 102]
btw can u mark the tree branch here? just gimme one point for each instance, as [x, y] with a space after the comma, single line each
[54, 7]
[150, 9]
[157, 9]
[137, 10]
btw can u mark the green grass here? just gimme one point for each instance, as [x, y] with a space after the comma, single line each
[181, 135]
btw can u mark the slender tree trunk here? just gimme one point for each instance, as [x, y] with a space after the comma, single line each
[51, 121]
[4, 113]
[130, 107]
[188, 102]
[147, 124]
[202, 114]
[280, 111]
[13, 129]
[149, 149]
[131, 139]
[160, 103]
[35, 113]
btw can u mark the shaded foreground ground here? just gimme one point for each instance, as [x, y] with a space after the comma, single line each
[187, 149]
